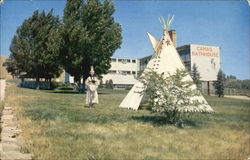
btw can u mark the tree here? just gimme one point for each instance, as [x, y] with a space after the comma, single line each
[34, 48]
[90, 36]
[106, 84]
[101, 84]
[232, 82]
[219, 84]
[11, 67]
[196, 76]
[170, 95]
[111, 85]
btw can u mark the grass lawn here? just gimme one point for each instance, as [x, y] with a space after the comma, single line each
[57, 125]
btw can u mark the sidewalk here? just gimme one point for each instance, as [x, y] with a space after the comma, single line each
[238, 97]
[2, 89]
[10, 143]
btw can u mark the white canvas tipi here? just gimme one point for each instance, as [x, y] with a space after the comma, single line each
[164, 60]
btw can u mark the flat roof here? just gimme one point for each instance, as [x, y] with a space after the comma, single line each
[125, 58]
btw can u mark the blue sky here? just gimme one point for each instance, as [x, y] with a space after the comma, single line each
[217, 23]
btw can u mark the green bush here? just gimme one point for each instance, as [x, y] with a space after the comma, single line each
[54, 84]
[109, 84]
[101, 85]
[170, 95]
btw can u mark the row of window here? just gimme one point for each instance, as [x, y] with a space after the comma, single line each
[123, 60]
[121, 72]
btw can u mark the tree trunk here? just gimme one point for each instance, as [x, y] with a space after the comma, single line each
[79, 85]
[22, 80]
[37, 82]
[50, 87]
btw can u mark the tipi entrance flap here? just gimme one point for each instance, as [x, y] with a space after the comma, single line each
[153, 40]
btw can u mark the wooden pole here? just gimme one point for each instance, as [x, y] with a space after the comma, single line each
[208, 88]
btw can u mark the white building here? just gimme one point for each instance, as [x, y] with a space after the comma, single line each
[123, 72]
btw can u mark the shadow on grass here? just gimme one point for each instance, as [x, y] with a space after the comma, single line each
[157, 120]
[66, 92]
[103, 93]
[74, 92]
[145, 107]
[65, 89]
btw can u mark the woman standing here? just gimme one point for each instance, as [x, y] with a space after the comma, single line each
[92, 84]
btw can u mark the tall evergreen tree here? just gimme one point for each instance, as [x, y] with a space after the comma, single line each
[90, 37]
[35, 48]
[196, 76]
[220, 83]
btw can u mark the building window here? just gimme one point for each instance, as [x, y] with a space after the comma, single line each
[133, 61]
[185, 55]
[133, 72]
[125, 72]
[124, 60]
[113, 59]
[112, 72]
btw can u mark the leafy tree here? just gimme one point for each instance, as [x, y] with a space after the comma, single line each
[90, 36]
[11, 67]
[245, 84]
[34, 47]
[232, 82]
[196, 76]
[170, 95]
[107, 84]
[220, 84]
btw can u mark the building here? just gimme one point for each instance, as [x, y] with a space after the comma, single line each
[206, 58]
[125, 71]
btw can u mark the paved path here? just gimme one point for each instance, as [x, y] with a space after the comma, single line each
[11, 143]
[2, 89]
[239, 97]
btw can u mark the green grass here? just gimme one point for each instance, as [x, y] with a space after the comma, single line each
[57, 125]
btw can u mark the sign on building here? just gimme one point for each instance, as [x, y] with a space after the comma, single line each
[207, 59]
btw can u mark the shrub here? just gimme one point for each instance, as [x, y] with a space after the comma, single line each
[101, 84]
[106, 84]
[54, 84]
[170, 95]
[111, 85]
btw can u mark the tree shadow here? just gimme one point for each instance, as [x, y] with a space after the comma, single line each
[154, 120]
[103, 93]
[74, 92]
[65, 89]
[145, 106]
[157, 120]
[66, 92]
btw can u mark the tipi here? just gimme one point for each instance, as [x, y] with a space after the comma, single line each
[164, 60]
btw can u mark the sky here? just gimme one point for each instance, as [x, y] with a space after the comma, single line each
[216, 23]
